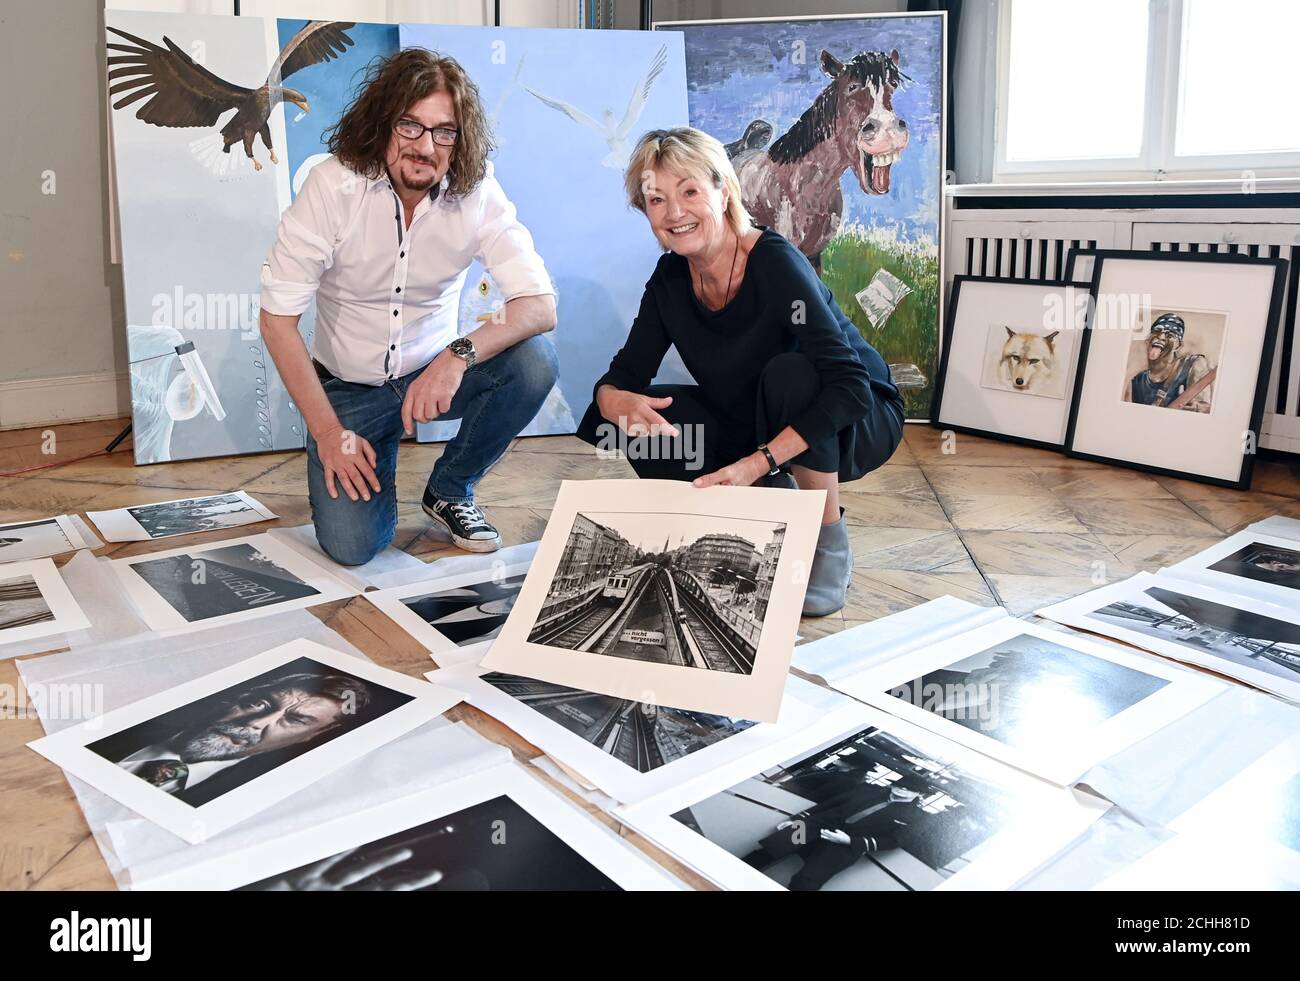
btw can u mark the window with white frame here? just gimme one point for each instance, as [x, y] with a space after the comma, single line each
[1131, 89]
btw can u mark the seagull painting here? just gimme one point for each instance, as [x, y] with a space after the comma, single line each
[494, 117]
[614, 132]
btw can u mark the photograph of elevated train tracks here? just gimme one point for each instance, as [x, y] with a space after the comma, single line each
[639, 734]
[684, 589]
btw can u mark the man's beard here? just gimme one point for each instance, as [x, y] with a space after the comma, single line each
[208, 744]
[419, 184]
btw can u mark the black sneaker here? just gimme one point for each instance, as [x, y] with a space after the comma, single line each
[468, 526]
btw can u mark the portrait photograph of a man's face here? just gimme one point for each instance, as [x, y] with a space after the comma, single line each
[209, 747]
[206, 754]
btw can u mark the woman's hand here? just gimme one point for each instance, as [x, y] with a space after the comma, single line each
[637, 415]
[742, 473]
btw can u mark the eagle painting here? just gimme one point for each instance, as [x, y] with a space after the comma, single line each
[182, 93]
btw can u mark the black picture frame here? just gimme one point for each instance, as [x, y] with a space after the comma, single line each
[1261, 379]
[950, 320]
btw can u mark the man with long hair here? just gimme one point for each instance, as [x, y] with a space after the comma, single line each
[381, 236]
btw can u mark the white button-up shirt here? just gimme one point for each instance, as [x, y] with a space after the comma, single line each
[387, 296]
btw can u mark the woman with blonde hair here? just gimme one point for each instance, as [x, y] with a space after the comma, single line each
[788, 393]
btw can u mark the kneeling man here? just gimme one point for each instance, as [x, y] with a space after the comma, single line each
[381, 236]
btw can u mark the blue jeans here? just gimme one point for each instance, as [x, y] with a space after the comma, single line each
[497, 398]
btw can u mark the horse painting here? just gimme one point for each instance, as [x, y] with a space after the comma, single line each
[793, 186]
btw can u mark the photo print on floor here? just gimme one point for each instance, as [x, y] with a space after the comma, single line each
[207, 754]
[455, 612]
[209, 747]
[23, 540]
[495, 846]
[861, 801]
[1191, 621]
[181, 517]
[35, 602]
[224, 582]
[1049, 702]
[642, 736]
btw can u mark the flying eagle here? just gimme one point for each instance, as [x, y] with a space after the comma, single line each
[183, 93]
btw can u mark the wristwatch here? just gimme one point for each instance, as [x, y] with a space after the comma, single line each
[771, 460]
[463, 348]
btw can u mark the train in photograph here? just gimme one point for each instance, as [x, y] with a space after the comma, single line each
[618, 583]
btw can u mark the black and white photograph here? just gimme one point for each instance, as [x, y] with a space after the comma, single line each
[210, 746]
[1197, 623]
[181, 517]
[1028, 691]
[224, 582]
[21, 604]
[1250, 563]
[22, 540]
[208, 753]
[656, 590]
[881, 807]
[1277, 565]
[497, 828]
[1047, 701]
[35, 602]
[629, 749]
[495, 846]
[638, 734]
[866, 813]
[457, 611]
[682, 589]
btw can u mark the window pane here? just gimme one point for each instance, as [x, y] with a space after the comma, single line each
[1237, 90]
[1077, 79]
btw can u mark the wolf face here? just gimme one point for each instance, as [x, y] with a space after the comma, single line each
[1028, 362]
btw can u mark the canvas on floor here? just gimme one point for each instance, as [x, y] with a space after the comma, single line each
[186, 516]
[1052, 703]
[1244, 638]
[211, 752]
[657, 591]
[21, 540]
[865, 802]
[224, 582]
[455, 611]
[35, 602]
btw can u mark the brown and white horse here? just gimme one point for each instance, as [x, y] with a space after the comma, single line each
[794, 185]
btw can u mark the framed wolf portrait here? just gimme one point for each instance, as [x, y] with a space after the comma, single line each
[1010, 351]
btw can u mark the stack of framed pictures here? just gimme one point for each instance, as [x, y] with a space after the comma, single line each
[1158, 363]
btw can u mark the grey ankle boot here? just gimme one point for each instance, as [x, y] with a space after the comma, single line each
[832, 571]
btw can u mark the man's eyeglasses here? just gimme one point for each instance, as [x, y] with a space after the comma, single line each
[409, 129]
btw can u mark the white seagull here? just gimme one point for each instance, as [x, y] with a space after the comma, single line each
[615, 133]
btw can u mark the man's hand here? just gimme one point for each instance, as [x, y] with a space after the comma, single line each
[637, 415]
[431, 393]
[349, 460]
[742, 473]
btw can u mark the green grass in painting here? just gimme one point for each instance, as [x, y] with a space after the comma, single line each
[911, 334]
